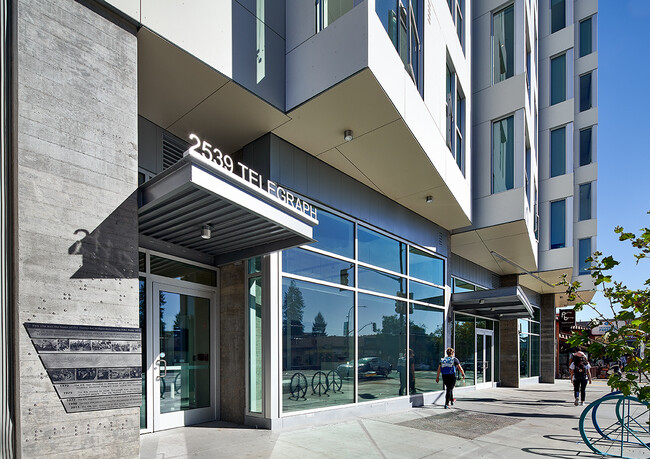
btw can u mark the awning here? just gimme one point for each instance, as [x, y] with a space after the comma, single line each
[499, 303]
[245, 218]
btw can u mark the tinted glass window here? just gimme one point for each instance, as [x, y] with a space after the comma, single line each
[584, 252]
[503, 155]
[462, 286]
[585, 37]
[183, 271]
[334, 234]
[558, 79]
[558, 15]
[426, 267]
[378, 281]
[427, 342]
[558, 152]
[464, 341]
[585, 92]
[585, 201]
[426, 293]
[585, 147]
[383, 251]
[503, 58]
[558, 224]
[317, 266]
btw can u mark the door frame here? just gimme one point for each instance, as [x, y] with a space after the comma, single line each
[155, 420]
[484, 333]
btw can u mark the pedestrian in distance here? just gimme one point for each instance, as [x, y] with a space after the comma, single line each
[580, 375]
[447, 367]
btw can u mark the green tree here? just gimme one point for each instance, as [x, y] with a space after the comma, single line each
[319, 325]
[629, 306]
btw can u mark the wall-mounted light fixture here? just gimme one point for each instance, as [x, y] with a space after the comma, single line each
[429, 199]
[206, 232]
[348, 135]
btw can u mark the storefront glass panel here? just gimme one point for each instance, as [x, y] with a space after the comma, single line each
[382, 343]
[524, 345]
[534, 355]
[426, 267]
[255, 344]
[381, 282]
[334, 234]
[143, 328]
[309, 264]
[317, 346]
[427, 342]
[379, 250]
[426, 293]
[464, 344]
[462, 286]
[182, 271]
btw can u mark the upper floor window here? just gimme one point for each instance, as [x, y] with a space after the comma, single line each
[558, 15]
[503, 154]
[503, 46]
[584, 252]
[330, 10]
[558, 224]
[455, 115]
[585, 37]
[585, 92]
[402, 20]
[585, 146]
[558, 79]
[457, 10]
[585, 202]
[558, 151]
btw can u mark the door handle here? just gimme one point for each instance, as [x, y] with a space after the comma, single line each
[160, 363]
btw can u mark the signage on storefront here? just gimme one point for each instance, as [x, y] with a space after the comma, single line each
[226, 163]
[91, 368]
[606, 326]
[567, 318]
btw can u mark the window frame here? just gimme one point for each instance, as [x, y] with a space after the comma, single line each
[562, 244]
[494, 57]
[553, 88]
[583, 103]
[512, 162]
[591, 37]
[551, 152]
[585, 201]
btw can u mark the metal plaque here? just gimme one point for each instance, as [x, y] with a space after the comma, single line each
[91, 368]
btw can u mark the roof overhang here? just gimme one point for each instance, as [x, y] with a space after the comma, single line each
[245, 219]
[500, 303]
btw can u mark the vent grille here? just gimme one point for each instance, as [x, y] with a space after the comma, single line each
[173, 149]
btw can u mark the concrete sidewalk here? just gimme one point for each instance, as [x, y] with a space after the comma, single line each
[534, 421]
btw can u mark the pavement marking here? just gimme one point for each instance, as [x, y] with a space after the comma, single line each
[360, 422]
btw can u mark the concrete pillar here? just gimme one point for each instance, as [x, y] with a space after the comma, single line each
[76, 231]
[232, 342]
[509, 355]
[548, 343]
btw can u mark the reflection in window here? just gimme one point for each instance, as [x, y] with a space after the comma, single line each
[389, 284]
[524, 370]
[464, 344]
[585, 92]
[255, 381]
[503, 55]
[585, 146]
[427, 343]
[426, 293]
[143, 327]
[585, 201]
[558, 79]
[534, 355]
[317, 345]
[383, 251]
[585, 37]
[584, 252]
[331, 10]
[334, 234]
[460, 286]
[382, 347]
[503, 155]
[183, 271]
[558, 224]
[309, 264]
[426, 267]
[558, 152]
[558, 15]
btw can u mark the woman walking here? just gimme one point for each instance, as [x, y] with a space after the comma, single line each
[580, 375]
[448, 367]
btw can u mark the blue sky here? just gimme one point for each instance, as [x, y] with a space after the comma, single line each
[623, 126]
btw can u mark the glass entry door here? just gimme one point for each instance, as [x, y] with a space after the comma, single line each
[184, 347]
[484, 357]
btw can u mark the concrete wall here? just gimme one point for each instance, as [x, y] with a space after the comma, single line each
[232, 343]
[76, 236]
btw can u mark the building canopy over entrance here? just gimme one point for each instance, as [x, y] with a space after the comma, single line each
[199, 204]
[499, 303]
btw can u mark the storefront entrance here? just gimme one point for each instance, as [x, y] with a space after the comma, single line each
[179, 320]
[484, 357]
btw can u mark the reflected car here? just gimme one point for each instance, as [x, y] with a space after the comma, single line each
[368, 366]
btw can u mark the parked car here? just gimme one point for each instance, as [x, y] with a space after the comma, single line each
[368, 366]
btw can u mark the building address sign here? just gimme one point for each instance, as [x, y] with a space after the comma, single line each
[225, 162]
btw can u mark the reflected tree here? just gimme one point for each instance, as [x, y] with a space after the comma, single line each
[293, 306]
[319, 325]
